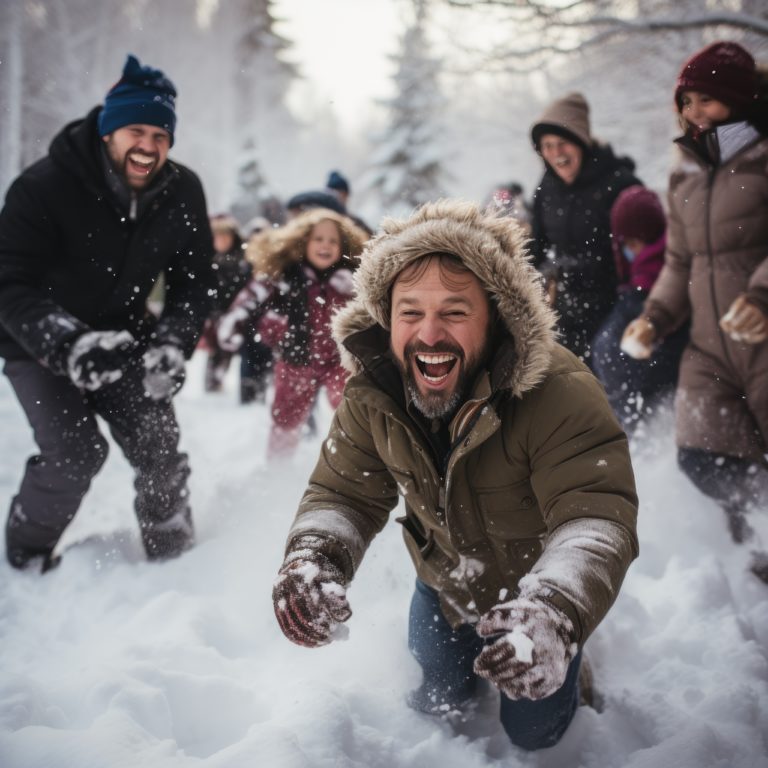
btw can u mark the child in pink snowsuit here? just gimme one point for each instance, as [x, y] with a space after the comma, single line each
[302, 275]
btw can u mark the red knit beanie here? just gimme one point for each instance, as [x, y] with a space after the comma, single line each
[637, 213]
[724, 71]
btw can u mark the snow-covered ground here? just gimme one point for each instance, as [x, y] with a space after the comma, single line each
[110, 661]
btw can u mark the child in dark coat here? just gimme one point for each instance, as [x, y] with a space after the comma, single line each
[302, 275]
[635, 387]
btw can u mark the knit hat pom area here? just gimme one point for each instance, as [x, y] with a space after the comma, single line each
[725, 71]
[142, 96]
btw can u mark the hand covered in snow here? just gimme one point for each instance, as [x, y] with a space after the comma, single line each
[530, 658]
[310, 599]
[638, 338]
[98, 358]
[229, 331]
[342, 282]
[163, 371]
[745, 322]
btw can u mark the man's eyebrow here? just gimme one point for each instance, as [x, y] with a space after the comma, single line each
[411, 300]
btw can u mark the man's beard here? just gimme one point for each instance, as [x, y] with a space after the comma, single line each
[120, 165]
[442, 404]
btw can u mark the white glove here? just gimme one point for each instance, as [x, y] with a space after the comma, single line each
[229, 329]
[163, 371]
[530, 658]
[98, 358]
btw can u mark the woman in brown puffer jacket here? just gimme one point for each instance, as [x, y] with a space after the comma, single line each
[716, 272]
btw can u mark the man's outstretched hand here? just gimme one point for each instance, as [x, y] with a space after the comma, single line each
[530, 658]
[309, 597]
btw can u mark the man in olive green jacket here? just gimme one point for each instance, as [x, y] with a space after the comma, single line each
[518, 492]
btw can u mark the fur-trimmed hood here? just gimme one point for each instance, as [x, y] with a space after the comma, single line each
[272, 251]
[492, 247]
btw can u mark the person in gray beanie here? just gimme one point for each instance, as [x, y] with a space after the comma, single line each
[571, 232]
[85, 234]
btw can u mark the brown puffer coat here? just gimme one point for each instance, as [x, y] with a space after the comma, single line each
[539, 480]
[717, 249]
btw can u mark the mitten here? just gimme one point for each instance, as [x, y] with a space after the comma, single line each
[309, 597]
[638, 338]
[745, 322]
[98, 358]
[531, 649]
[229, 330]
[163, 371]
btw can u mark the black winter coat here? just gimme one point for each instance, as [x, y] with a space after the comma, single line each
[72, 259]
[572, 241]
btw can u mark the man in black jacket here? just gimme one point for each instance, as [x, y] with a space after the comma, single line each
[84, 235]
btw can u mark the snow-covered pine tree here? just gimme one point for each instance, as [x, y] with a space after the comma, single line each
[406, 169]
[262, 77]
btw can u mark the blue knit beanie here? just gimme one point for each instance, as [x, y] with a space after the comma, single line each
[338, 182]
[142, 96]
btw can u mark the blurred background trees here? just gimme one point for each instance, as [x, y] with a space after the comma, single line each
[467, 78]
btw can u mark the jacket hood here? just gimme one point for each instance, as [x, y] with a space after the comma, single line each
[274, 250]
[76, 148]
[492, 247]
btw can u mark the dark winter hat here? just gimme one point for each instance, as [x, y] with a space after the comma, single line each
[304, 201]
[725, 71]
[338, 182]
[142, 96]
[638, 213]
[567, 117]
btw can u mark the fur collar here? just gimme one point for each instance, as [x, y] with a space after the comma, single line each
[492, 247]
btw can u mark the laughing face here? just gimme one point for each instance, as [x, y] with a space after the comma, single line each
[138, 152]
[324, 245]
[439, 332]
[562, 155]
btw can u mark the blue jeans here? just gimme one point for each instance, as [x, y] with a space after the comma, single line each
[446, 656]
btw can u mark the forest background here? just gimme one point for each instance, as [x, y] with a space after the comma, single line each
[410, 99]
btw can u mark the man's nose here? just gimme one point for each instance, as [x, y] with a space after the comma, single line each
[146, 144]
[431, 330]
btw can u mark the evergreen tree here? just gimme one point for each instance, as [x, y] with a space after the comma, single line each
[406, 169]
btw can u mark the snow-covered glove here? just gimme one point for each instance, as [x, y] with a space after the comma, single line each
[530, 658]
[638, 339]
[342, 282]
[163, 371]
[229, 331]
[745, 321]
[310, 600]
[98, 358]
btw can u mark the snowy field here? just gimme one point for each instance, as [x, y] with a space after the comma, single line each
[112, 662]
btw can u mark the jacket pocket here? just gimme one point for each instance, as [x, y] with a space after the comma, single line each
[424, 541]
[511, 512]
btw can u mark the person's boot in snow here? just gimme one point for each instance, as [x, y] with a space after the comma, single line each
[738, 526]
[759, 565]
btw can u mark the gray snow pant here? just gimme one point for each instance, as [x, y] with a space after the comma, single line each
[72, 450]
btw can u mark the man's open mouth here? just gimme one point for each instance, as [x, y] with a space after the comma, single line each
[141, 164]
[435, 367]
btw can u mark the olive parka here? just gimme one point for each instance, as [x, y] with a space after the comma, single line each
[536, 495]
[78, 253]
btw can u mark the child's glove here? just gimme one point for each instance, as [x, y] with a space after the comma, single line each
[229, 331]
[163, 371]
[99, 358]
[530, 658]
[309, 597]
[638, 338]
[745, 321]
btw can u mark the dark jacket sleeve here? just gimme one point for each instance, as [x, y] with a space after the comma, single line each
[28, 240]
[190, 278]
